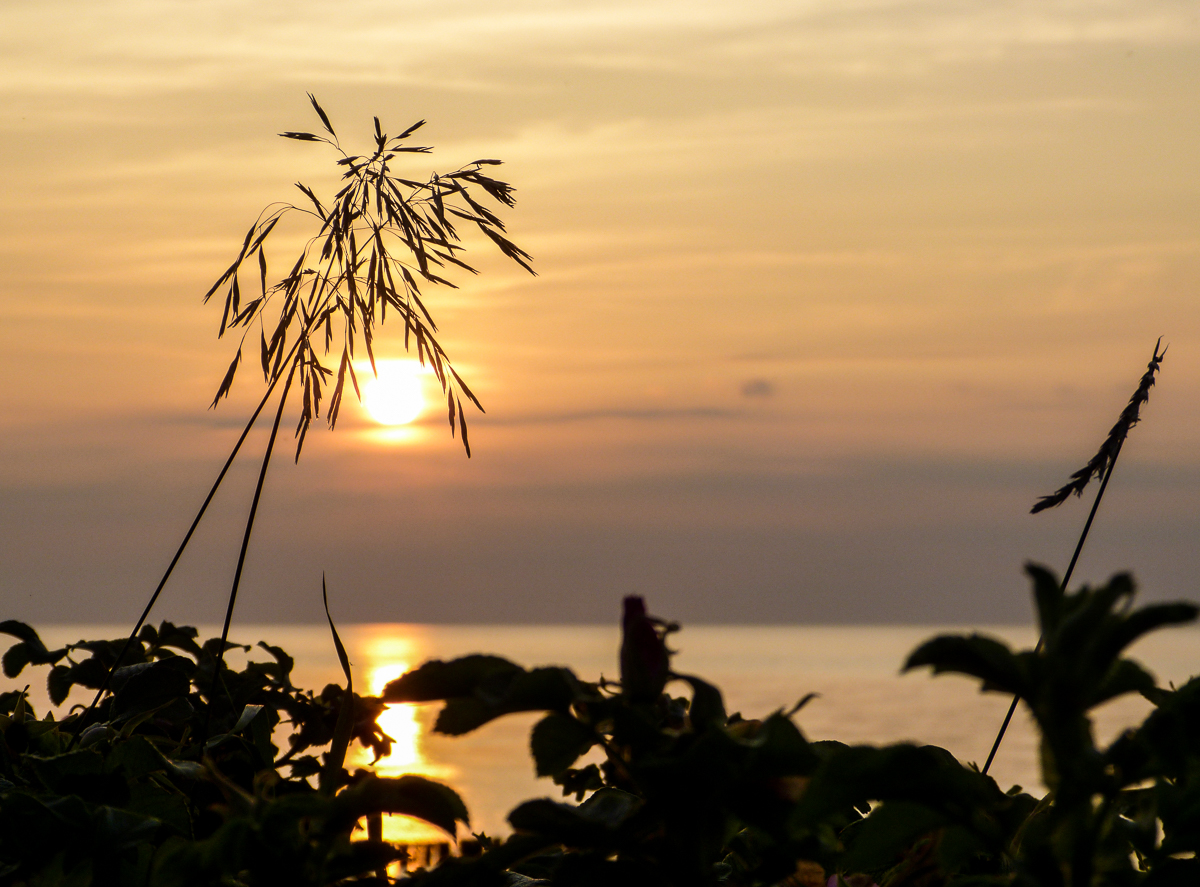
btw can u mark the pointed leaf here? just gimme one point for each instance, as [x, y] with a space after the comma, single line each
[227, 382]
[707, 706]
[1048, 594]
[1149, 619]
[336, 756]
[1125, 676]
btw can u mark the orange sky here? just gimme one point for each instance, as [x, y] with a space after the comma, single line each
[828, 294]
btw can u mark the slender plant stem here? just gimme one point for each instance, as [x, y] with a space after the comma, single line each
[175, 560]
[237, 576]
[1066, 578]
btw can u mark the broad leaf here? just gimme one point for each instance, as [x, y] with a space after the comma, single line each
[592, 824]
[889, 830]
[557, 741]
[985, 658]
[408, 795]
[437, 680]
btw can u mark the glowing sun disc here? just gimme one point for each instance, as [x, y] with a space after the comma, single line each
[395, 397]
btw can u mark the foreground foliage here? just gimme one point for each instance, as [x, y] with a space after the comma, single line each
[168, 784]
[663, 789]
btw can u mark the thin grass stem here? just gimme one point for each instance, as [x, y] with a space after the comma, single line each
[175, 560]
[1100, 465]
[1063, 588]
[237, 576]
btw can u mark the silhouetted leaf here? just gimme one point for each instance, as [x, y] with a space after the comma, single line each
[408, 795]
[147, 685]
[978, 656]
[504, 692]
[58, 683]
[887, 832]
[15, 659]
[30, 650]
[592, 824]
[282, 659]
[336, 756]
[227, 382]
[1125, 676]
[707, 706]
[180, 637]
[463, 714]
[557, 741]
[436, 680]
[1047, 595]
[780, 747]
[21, 631]
[1147, 619]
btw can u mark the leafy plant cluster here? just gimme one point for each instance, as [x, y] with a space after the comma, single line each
[661, 789]
[168, 783]
[685, 793]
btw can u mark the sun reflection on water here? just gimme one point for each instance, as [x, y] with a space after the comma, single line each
[404, 723]
[399, 722]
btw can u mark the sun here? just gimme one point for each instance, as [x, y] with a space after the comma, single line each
[396, 396]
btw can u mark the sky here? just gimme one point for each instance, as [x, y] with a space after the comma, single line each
[827, 295]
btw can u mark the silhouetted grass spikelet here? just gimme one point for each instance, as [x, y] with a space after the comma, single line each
[1107, 453]
[380, 236]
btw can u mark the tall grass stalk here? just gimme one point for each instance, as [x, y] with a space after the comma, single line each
[1102, 463]
[237, 575]
[187, 537]
[381, 238]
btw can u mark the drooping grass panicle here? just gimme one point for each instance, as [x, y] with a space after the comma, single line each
[1107, 453]
[380, 237]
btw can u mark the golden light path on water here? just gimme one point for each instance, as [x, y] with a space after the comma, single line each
[387, 656]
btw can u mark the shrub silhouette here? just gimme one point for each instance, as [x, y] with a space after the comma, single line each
[683, 793]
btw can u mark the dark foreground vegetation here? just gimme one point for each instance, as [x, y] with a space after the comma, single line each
[170, 782]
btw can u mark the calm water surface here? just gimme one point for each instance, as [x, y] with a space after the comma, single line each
[863, 697]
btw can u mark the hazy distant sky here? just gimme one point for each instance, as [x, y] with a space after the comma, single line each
[828, 294]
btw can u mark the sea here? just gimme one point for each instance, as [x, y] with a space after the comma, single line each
[862, 696]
